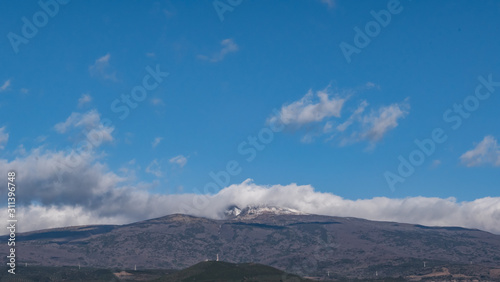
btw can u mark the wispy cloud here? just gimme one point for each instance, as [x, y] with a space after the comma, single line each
[102, 69]
[156, 141]
[84, 99]
[487, 152]
[154, 168]
[378, 123]
[4, 137]
[179, 160]
[435, 163]
[329, 3]
[319, 114]
[228, 46]
[313, 107]
[41, 138]
[91, 122]
[5, 85]
[354, 116]
[157, 102]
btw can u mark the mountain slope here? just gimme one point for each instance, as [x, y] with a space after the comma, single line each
[218, 271]
[308, 245]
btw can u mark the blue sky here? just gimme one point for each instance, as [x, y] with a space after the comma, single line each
[229, 79]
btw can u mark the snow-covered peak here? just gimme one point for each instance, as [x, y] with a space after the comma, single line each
[254, 211]
[232, 211]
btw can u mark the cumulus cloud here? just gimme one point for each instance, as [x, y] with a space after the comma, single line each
[156, 141]
[90, 124]
[319, 114]
[487, 152]
[102, 69]
[4, 137]
[84, 99]
[5, 85]
[179, 160]
[228, 46]
[313, 107]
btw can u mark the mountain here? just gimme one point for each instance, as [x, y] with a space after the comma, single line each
[292, 241]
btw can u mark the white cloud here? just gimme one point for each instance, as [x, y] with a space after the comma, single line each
[308, 109]
[318, 114]
[91, 122]
[487, 152]
[21, 150]
[154, 168]
[5, 85]
[228, 46]
[354, 116]
[378, 123]
[101, 68]
[41, 138]
[84, 99]
[180, 160]
[156, 141]
[4, 137]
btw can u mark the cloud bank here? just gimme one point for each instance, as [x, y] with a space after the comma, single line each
[68, 188]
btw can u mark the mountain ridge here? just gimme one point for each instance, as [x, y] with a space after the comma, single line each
[304, 244]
